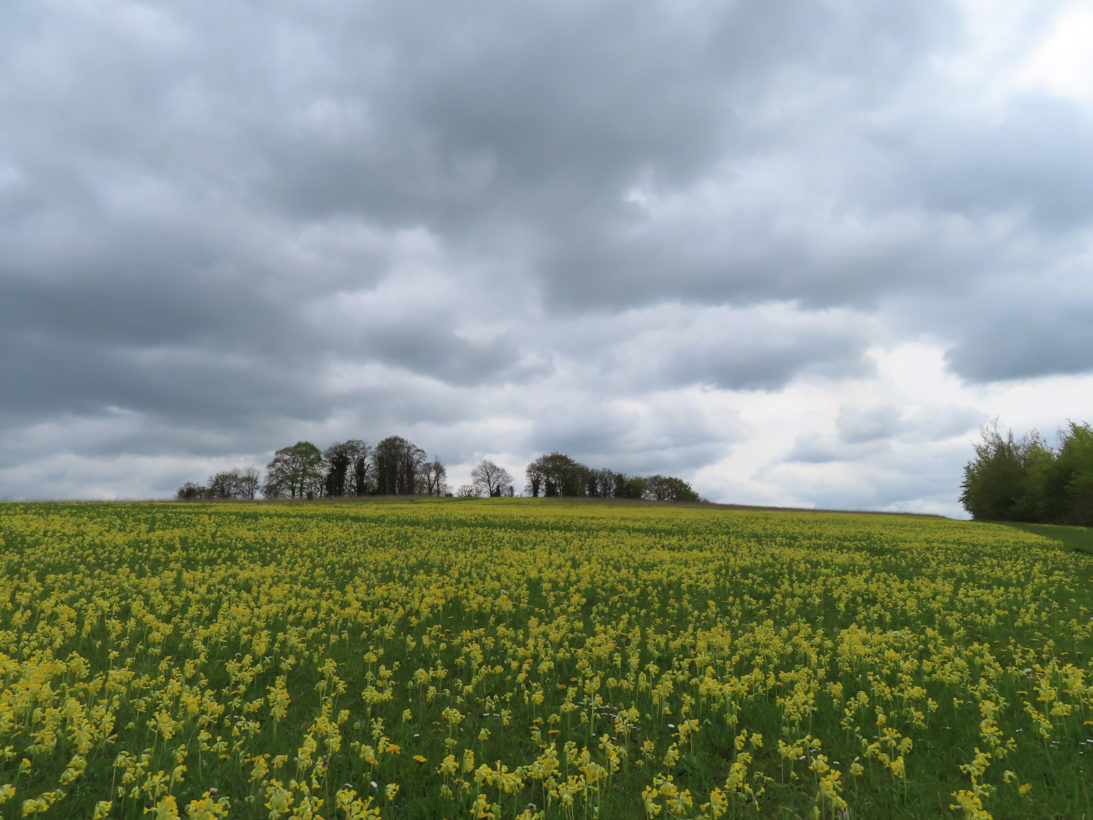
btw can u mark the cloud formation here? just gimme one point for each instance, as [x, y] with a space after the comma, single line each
[795, 255]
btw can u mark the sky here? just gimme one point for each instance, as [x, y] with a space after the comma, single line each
[795, 253]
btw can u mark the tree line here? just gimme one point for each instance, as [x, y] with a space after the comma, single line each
[1025, 479]
[396, 466]
[557, 474]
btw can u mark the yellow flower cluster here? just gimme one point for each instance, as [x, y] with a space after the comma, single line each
[520, 658]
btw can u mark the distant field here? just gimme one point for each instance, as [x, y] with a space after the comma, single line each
[521, 658]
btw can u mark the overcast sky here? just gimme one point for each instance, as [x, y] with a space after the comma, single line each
[793, 252]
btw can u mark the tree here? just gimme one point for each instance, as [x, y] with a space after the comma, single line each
[1036, 502]
[620, 487]
[466, 491]
[491, 480]
[536, 476]
[191, 491]
[240, 484]
[340, 461]
[668, 488]
[296, 472]
[601, 483]
[247, 483]
[556, 475]
[221, 485]
[1025, 480]
[994, 480]
[433, 476]
[398, 464]
[631, 487]
[361, 482]
[1071, 478]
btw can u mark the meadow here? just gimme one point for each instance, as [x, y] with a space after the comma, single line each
[527, 659]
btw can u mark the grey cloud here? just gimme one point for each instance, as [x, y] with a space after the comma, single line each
[765, 364]
[1030, 158]
[857, 425]
[864, 434]
[665, 434]
[760, 348]
[936, 422]
[438, 352]
[885, 482]
[245, 222]
[1025, 323]
[810, 449]
[1047, 335]
[55, 375]
[114, 432]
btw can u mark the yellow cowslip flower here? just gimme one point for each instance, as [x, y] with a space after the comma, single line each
[206, 808]
[649, 800]
[448, 766]
[166, 809]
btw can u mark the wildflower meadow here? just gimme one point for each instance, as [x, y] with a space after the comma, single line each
[520, 658]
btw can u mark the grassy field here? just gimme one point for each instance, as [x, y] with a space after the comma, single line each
[1077, 539]
[520, 658]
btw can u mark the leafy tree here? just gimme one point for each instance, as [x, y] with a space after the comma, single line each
[1072, 476]
[191, 491]
[1025, 480]
[361, 481]
[491, 480]
[619, 490]
[668, 488]
[295, 472]
[556, 475]
[221, 486]
[994, 482]
[239, 484]
[398, 465]
[340, 461]
[601, 483]
[631, 487]
[1036, 502]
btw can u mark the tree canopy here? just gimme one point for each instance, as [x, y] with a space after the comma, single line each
[1024, 479]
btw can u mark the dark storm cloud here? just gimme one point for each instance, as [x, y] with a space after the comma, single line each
[54, 375]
